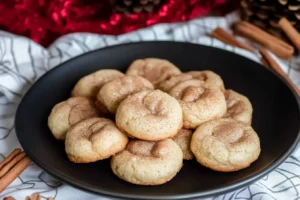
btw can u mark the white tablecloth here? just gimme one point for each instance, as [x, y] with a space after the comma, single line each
[22, 62]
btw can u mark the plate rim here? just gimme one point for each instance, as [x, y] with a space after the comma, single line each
[206, 193]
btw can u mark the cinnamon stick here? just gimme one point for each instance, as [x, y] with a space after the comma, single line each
[274, 65]
[10, 157]
[34, 196]
[14, 172]
[264, 62]
[9, 198]
[227, 38]
[273, 44]
[290, 31]
[9, 165]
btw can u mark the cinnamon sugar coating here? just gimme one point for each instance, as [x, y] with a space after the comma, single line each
[94, 139]
[115, 91]
[207, 78]
[150, 115]
[89, 85]
[148, 163]
[183, 139]
[238, 107]
[225, 145]
[199, 104]
[153, 69]
[67, 113]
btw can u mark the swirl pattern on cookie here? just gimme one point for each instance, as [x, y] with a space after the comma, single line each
[94, 139]
[198, 103]
[183, 139]
[89, 85]
[150, 115]
[115, 91]
[67, 113]
[153, 69]
[148, 163]
[208, 79]
[238, 107]
[225, 145]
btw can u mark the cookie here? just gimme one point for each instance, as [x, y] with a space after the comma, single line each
[238, 107]
[89, 85]
[148, 163]
[153, 69]
[183, 139]
[198, 103]
[208, 79]
[115, 91]
[94, 139]
[150, 115]
[225, 145]
[67, 113]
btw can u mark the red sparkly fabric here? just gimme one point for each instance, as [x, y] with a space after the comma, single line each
[45, 20]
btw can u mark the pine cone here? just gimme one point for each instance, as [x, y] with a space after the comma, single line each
[266, 14]
[136, 6]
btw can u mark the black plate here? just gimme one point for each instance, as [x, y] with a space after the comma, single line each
[276, 119]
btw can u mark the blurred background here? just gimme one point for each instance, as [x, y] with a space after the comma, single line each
[44, 21]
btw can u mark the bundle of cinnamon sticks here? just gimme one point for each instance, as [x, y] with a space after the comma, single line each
[277, 46]
[267, 41]
[12, 166]
[34, 196]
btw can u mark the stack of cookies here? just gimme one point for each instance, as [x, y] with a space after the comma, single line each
[150, 119]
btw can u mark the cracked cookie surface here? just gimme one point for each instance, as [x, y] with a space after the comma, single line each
[199, 104]
[148, 163]
[94, 139]
[238, 107]
[183, 139]
[153, 69]
[150, 115]
[225, 145]
[115, 91]
[89, 85]
[208, 79]
[67, 113]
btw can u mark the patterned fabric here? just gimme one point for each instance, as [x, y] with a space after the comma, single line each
[22, 62]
